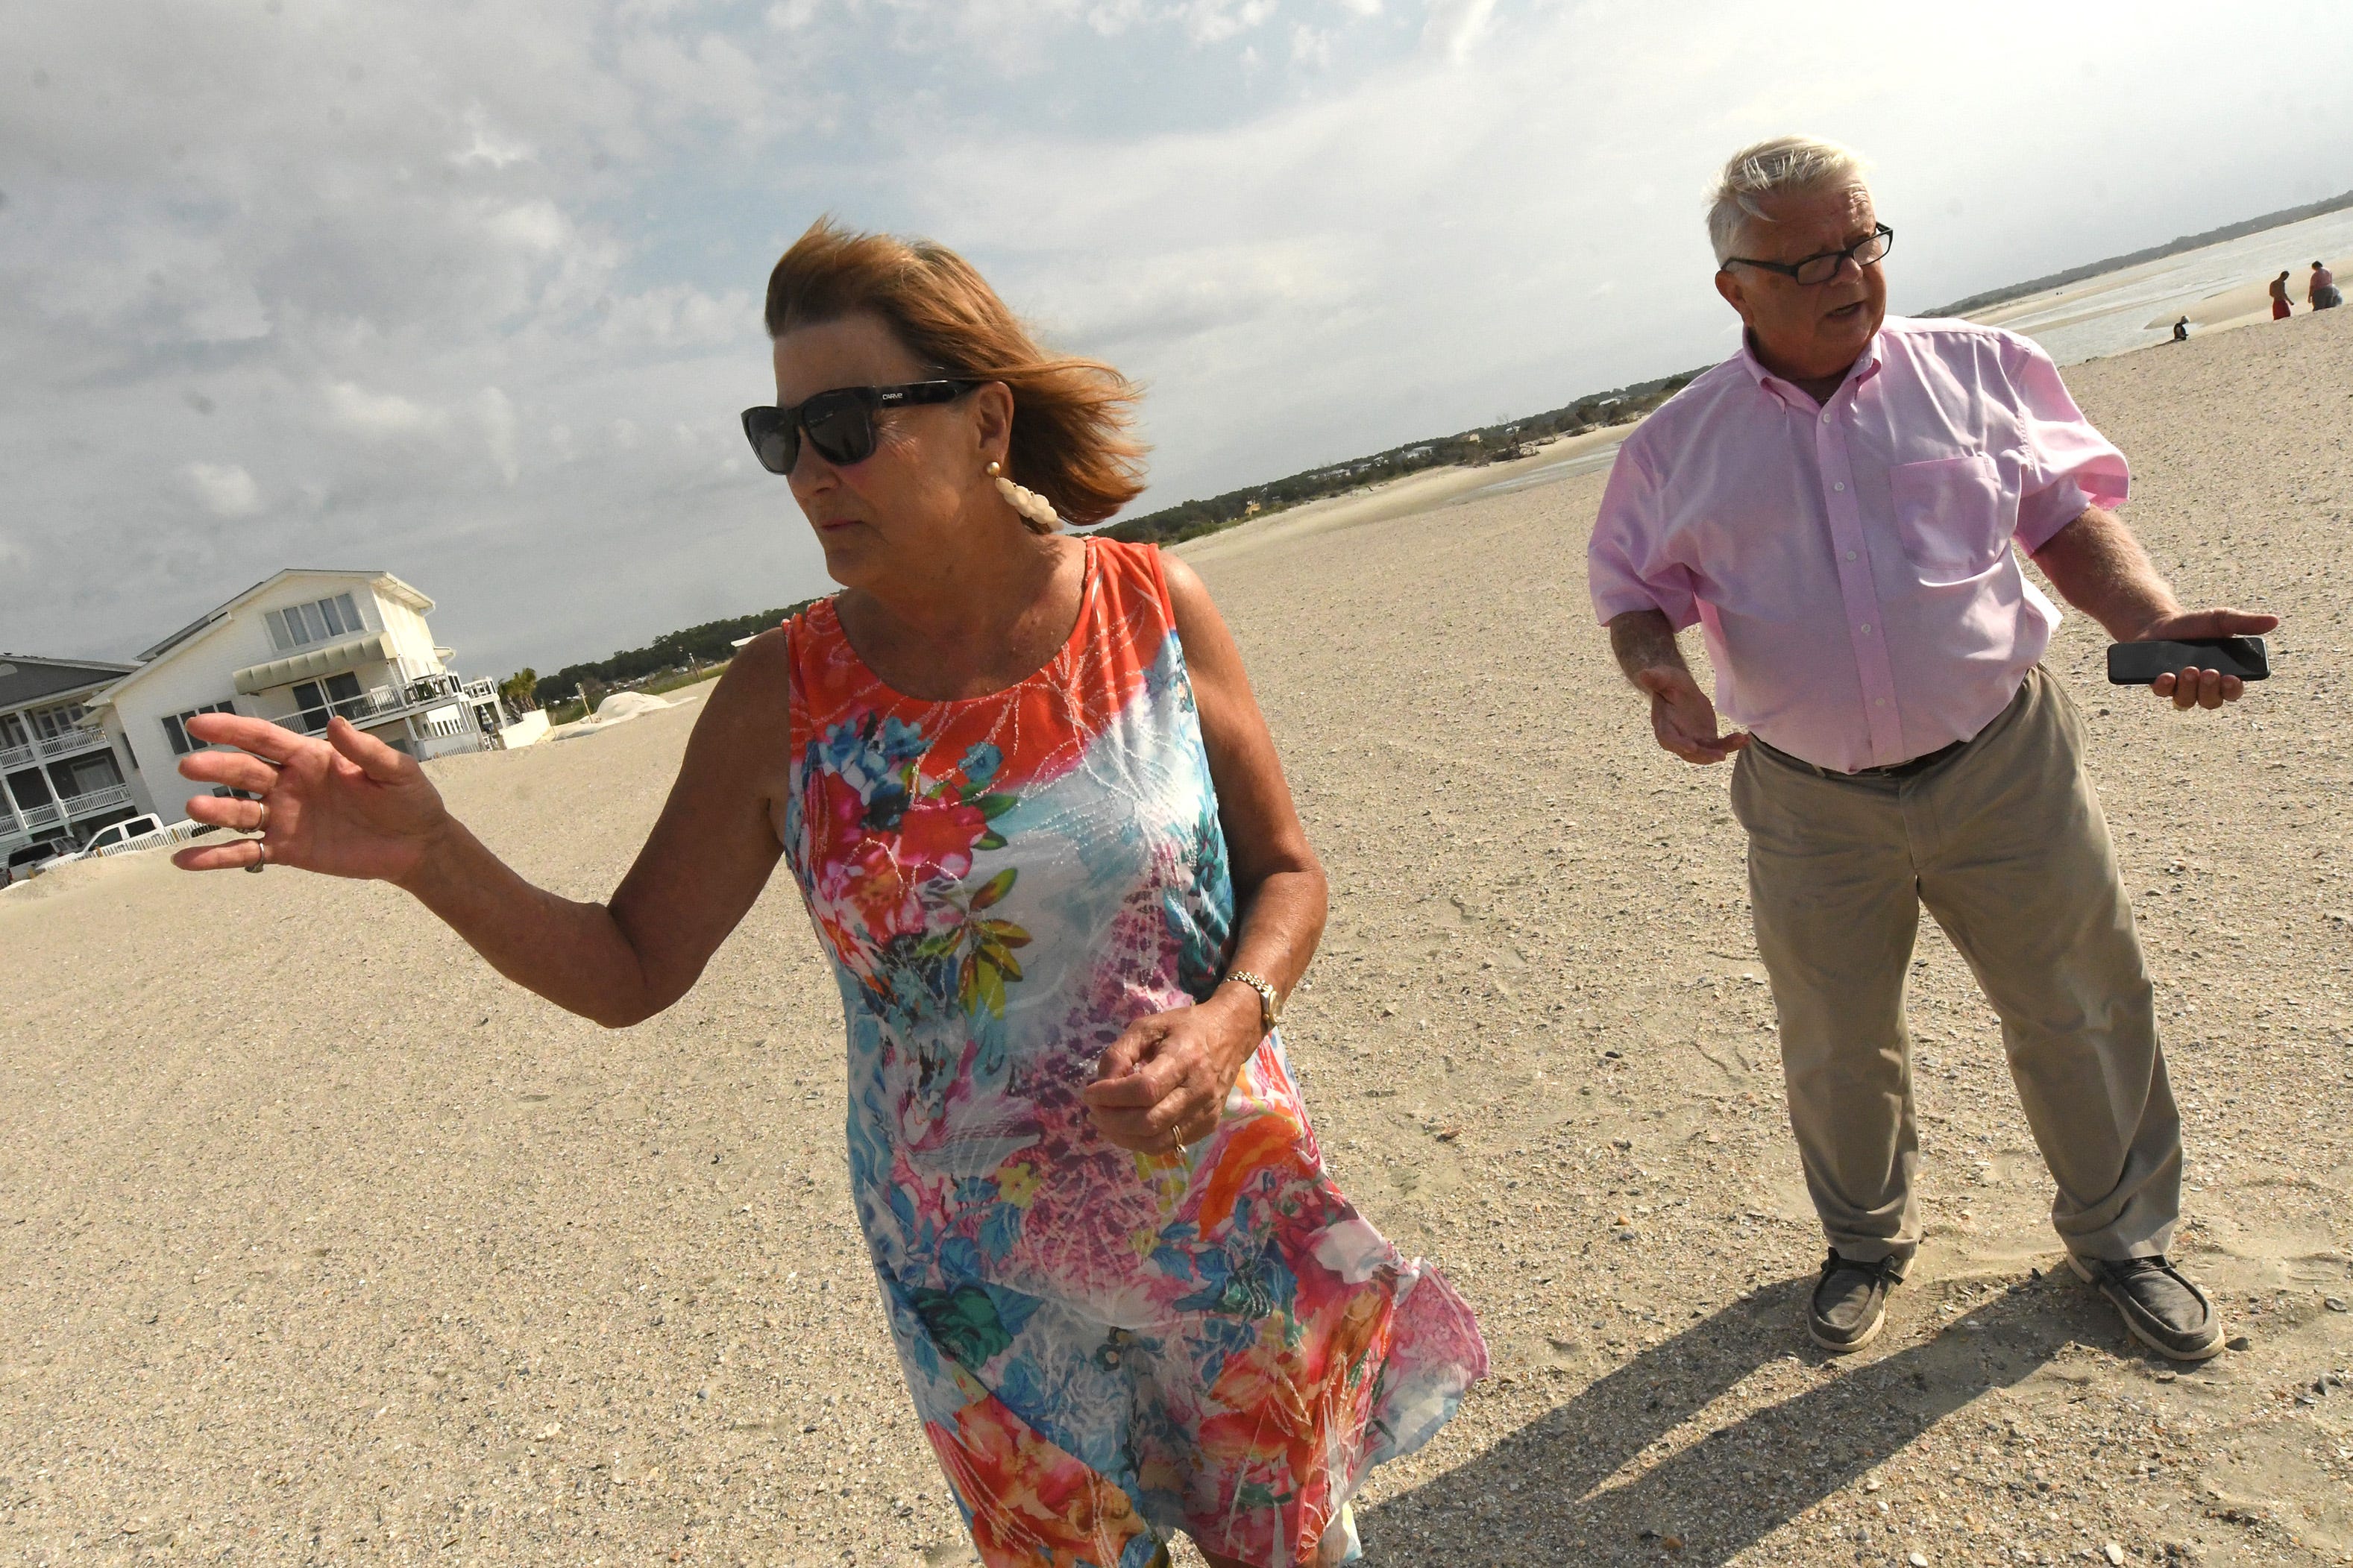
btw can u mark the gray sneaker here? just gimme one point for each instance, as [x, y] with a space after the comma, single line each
[2164, 1310]
[1850, 1304]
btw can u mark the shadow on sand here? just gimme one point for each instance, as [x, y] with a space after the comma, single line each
[1543, 1494]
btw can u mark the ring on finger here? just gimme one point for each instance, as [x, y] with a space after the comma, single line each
[261, 816]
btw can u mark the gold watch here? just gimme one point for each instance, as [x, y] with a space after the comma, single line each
[1270, 1002]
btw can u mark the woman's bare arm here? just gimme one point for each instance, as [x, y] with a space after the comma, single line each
[1163, 1083]
[1280, 898]
[353, 806]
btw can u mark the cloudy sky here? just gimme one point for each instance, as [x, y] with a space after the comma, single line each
[468, 290]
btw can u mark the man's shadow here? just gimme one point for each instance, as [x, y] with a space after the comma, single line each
[1535, 1492]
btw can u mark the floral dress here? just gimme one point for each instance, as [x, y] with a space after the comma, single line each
[1104, 1346]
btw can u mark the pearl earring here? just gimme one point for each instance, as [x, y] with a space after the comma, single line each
[1028, 502]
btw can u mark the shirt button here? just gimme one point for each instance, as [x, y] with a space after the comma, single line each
[1866, 628]
[1879, 702]
[1840, 486]
[1850, 555]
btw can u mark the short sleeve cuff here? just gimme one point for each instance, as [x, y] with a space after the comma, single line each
[1681, 610]
[2048, 511]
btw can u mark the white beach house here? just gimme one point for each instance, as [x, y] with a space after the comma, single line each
[294, 650]
[63, 774]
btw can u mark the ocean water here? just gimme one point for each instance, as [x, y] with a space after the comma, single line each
[2116, 320]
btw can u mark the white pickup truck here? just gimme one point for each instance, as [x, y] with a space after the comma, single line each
[146, 831]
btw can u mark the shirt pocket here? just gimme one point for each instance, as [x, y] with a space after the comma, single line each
[1949, 516]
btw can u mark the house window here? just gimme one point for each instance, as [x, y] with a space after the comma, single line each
[49, 723]
[319, 699]
[175, 731]
[88, 775]
[299, 625]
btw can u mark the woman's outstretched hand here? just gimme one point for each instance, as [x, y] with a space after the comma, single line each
[345, 806]
[1162, 1085]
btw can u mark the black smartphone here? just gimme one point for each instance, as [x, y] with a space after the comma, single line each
[2139, 663]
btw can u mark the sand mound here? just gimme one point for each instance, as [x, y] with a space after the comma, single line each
[624, 705]
[619, 709]
[73, 875]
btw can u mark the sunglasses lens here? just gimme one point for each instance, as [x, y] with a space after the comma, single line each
[842, 434]
[776, 444]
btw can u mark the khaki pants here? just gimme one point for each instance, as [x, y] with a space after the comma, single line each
[2004, 842]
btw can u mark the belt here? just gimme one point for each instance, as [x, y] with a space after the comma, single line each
[1919, 764]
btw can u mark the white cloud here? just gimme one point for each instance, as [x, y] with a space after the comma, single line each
[494, 412]
[1215, 21]
[380, 415]
[489, 148]
[1455, 28]
[225, 489]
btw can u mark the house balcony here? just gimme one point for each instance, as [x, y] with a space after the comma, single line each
[56, 819]
[380, 705]
[51, 815]
[55, 748]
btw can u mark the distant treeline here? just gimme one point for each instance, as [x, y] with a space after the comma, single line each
[710, 643]
[1488, 442]
[2155, 252]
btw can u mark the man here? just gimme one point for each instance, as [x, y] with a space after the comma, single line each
[1835, 505]
[2279, 297]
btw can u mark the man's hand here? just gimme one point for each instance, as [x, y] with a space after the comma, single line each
[1683, 718]
[2204, 688]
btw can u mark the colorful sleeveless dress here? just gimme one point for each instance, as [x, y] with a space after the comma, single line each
[1104, 1347]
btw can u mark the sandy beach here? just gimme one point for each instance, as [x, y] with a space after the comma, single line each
[2216, 286]
[319, 1243]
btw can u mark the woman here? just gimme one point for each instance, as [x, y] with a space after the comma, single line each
[1043, 834]
[2321, 291]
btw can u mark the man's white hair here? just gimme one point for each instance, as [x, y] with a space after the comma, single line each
[1784, 164]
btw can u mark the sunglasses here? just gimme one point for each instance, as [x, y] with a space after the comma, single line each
[839, 424]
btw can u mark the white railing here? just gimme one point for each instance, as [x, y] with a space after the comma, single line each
[39, 819]
[162, 837]
[56, 746]
[36, 818]
[96, 800]
[419, 695]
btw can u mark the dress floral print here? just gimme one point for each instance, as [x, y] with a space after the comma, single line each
[1104, 1347]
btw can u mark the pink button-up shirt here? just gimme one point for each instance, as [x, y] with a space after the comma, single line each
[1849, 562]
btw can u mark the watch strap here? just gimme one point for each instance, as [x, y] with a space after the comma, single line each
[1270, 1002]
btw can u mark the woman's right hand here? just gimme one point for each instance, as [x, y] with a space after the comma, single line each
[345, 806]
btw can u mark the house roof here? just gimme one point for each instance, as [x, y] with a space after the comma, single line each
[151, 658]
[25, 679]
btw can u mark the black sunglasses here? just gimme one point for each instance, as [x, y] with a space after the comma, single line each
[1823, 266]
[840, 424]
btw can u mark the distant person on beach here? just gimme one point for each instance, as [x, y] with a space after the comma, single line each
[2181, 330]
[1835, 505]
[2279, 296]
[2321, 291]
[1044, 837]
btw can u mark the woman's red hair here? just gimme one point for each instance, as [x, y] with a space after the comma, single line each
[1071, 417]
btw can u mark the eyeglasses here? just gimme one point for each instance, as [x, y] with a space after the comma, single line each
[840, 424]
[1824, 267]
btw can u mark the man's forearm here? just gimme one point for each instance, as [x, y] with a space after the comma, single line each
[2101, 569]
[1643, 639]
